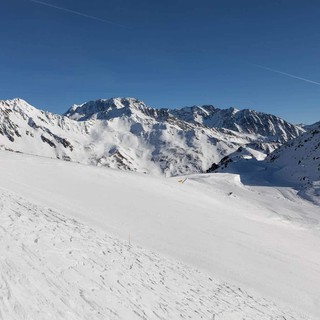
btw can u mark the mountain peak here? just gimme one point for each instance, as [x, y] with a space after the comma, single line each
[14, 101]
[233, 110]
[105, 108]
[17, 104]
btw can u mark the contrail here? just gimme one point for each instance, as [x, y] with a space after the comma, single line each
[76, 12]
[287, 74]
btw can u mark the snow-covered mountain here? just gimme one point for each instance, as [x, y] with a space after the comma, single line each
[311, 126]
[125, 133]
[298, 162]
[247, 121]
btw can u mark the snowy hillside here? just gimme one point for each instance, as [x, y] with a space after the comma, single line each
[125, 133]
[53, 267]
[91, 243]
[296, 164]
[299, 159]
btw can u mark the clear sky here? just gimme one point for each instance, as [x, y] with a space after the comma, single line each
[166, 53]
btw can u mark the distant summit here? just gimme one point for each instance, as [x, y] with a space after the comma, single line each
[244, 121]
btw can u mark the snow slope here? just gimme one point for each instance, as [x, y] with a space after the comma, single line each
[296, 163]
[53, 267]
[263, 240]
[298, 160]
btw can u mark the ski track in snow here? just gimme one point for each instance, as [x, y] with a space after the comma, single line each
[53, 267]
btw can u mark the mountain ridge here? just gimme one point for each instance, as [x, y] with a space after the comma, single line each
[127, 134]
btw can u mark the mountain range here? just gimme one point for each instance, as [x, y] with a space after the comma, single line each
[127, 134]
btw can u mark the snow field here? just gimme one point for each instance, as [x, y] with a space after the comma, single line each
[53, 267]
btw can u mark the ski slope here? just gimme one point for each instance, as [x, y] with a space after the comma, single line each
[209, 245]
[54, 267]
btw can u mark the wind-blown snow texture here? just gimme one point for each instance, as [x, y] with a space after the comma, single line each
[124, 133]
[263, 240]
[53, 267]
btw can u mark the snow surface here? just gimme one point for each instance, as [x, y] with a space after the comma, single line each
[263, 240]
[53, 267]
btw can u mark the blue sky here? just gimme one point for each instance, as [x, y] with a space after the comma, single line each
[166, 53]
